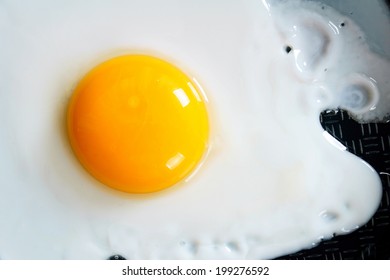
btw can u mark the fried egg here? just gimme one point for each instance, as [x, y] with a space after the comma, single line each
[180, 129]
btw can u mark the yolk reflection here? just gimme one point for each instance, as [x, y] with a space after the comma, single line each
[138, 124]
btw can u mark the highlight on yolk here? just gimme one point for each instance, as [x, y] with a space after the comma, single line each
[138, 124]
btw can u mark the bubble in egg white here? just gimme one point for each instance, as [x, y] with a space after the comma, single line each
[272, 183]
[356, 97]
[358, 94]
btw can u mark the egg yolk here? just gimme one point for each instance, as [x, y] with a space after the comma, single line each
[138, 124]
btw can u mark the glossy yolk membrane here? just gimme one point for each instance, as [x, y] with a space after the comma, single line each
[138, 124]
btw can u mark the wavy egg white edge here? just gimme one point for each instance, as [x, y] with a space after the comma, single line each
[292, 198]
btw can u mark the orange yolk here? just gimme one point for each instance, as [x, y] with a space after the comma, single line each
[138, 124]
